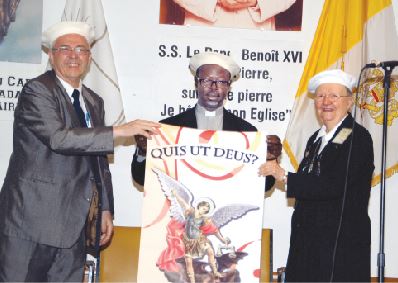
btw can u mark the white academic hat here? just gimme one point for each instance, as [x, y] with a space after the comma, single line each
[222, 60]
[62, 28]
[336, 76]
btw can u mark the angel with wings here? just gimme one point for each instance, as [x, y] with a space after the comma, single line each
[190, 224]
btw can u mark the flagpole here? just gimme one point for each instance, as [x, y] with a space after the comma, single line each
[381, 255]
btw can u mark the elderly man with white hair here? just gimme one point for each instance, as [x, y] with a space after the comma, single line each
[330, 229]
[58, 171]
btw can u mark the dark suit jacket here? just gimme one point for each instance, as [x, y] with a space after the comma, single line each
[187, 118]
[48, 187]
[318, 209]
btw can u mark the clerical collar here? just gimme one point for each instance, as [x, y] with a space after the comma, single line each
[218, 112]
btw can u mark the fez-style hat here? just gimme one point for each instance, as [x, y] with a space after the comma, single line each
[62, 28]
[335, 76]
[222, 60]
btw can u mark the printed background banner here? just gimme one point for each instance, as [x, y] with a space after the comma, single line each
[184, 167]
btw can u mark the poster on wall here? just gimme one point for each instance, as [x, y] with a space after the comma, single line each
[201, 191]
[263, 53]
[250, 14]
[20, 61]
[257, 96]
[20, 31]
[20, 42]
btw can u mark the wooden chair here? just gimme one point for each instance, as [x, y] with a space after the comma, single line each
[119, 261]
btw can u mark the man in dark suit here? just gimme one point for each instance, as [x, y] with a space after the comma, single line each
[214, 74]
[330, 229]
[58, 167]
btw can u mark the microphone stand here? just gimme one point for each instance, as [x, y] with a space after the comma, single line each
[381, 255]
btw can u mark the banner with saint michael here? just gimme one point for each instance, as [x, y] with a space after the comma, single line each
[202, 207]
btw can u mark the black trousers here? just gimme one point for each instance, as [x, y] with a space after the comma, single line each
[26, 261]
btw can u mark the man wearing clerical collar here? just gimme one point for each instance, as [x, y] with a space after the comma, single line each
[214, 73]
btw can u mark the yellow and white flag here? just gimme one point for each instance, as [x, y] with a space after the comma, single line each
[350, 33]
[102, 77]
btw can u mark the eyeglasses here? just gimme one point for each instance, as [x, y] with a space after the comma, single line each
[332, 96]
[66, 50]
[210, 82]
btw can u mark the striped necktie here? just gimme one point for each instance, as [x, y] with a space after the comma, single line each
[78, 108]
